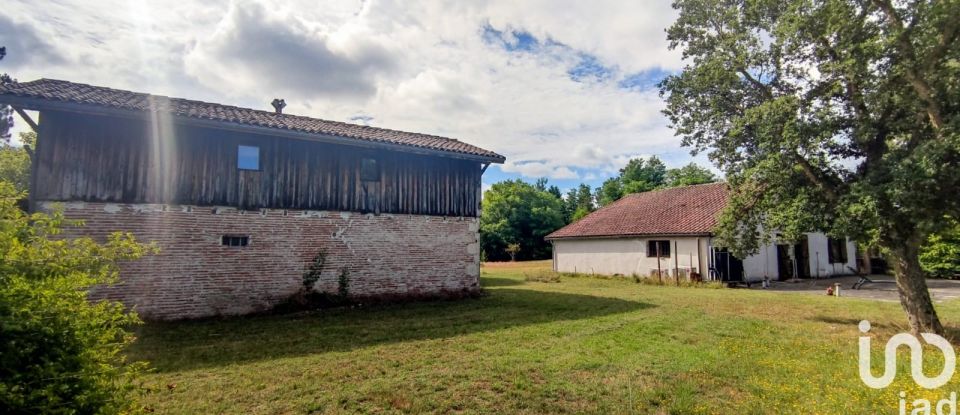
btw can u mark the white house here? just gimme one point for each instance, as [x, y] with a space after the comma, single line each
[670, 232]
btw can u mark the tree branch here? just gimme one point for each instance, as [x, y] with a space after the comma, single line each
[814, 175]
[765, 89]
[916, 80]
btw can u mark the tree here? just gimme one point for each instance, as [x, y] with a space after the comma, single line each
[15, 162]
[555, 191]
[516, 212]
[641, 175]
[513, 250]
[61, 353]
[579, 203]
[837, 115]
[610, 191]
[689, 175]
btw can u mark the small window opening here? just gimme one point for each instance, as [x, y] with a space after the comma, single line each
[369, 170]
[658, 249]
[248, 157]
[232, 240]
[837, 250]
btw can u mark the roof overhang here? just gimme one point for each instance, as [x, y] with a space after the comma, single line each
[39, 104]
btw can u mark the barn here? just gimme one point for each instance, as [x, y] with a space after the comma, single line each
[240, 200]
[669, 232]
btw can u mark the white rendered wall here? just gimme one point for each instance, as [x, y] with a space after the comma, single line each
[626, 256]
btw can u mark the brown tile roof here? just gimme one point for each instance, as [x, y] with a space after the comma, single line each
[46, 91]
[688, 210]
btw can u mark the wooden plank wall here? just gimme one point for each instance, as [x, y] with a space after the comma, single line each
[104, 159]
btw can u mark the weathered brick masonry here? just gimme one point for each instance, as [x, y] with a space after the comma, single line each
[195, 276]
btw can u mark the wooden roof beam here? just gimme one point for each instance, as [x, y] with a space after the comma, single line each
[26, 117]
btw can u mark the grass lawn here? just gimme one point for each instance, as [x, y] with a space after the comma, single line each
[580, 345]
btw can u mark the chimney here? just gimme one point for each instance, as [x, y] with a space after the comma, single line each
[278, 105]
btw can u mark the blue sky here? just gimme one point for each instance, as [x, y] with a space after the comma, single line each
[564, 89]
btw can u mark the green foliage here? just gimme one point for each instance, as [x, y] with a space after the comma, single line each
[517, 212]
[314, 270]
[59, 352]
[690, 174]
[940, 256]
[884, 97]
[610, 191]
[839, 115]
[579, 203]
[15, 162]
[641, 175]
[579, 214]
[513, 250]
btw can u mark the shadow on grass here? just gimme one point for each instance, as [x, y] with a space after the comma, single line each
[198, 344]
[853, 322]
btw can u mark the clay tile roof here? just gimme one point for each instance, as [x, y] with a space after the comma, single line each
[689, 210]
[55, 91]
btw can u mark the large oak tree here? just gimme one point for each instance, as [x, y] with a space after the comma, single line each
[834, 115]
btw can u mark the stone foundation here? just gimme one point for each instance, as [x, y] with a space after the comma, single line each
[196, 276]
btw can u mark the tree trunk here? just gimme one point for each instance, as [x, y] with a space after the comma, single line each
[912, 285]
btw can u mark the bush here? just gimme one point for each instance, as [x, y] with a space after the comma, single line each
[940, 256]
[59, 352]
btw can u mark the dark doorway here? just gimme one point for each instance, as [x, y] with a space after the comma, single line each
[802, 254]
[784, 262]
[728, 267]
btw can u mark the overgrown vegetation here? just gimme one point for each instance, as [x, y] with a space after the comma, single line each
[665, 281]
[59, 352]
[314, 270]
[541, 275]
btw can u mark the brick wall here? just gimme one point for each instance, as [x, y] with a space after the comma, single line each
[195, 276]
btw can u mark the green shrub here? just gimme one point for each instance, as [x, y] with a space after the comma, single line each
[59, 352]
[940, 256]
[15, 162]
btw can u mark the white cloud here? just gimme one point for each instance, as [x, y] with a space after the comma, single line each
[539, 169]
[258, 50]
[414, 65]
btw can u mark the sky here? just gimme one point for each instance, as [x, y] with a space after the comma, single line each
[564, 89]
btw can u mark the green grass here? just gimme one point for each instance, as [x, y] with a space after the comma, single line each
[580, 345]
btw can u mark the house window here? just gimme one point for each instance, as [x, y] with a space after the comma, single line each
[369, 170]
[837, 250]
[658, 249]
[248, 157]
[233, 240]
